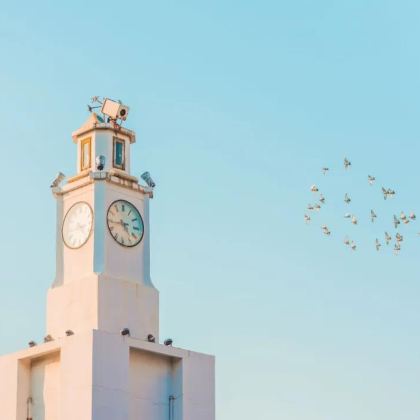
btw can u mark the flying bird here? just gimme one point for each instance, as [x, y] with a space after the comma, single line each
[412, 216]
[388, 238]
[326, 230]
[325, 170]
[354, 220]
[307, 218]
[310, 207]
[346, 240]
[57, 180]
[322, 199]
[317, 207]
[347, 216]
[314, 188]
[373, 216]
[347, 163]
[397, 248]
[396, 222]
[387, 192]
[371, 179]
[403, 216]
[347, 199]
[353, 245]
[399, 237]
[377, 244]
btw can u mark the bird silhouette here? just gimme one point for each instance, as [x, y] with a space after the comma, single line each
[373, 216]
[371, 179]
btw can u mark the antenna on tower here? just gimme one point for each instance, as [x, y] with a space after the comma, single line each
[94, 100]
[114, 112]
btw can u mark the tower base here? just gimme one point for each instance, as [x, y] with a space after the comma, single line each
[98, 375]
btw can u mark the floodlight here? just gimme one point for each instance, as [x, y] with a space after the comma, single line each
[32, 343]
[148, 179]
[168, 342]
[100, 162]
[151, 338]
[114, 110]
[69, 333]
[125, 331]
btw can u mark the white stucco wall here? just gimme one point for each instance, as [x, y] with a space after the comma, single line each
[45, 387]
[153, 381]
[102, 376]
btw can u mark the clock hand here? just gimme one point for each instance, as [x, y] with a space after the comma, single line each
[114, 221]
[124, 225]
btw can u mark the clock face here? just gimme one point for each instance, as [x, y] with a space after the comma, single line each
[125, 223]
[77, 225]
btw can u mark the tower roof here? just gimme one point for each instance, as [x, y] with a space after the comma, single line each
[95, 122]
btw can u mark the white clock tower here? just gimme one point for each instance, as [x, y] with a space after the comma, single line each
[101, 358]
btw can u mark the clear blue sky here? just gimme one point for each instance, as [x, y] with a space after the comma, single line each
[237, 106]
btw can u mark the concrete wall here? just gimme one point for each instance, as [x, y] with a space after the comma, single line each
[153, 385]
[45, 386]
[102, 376]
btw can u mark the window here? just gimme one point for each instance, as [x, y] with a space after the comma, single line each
[85, 161]
[119, 153]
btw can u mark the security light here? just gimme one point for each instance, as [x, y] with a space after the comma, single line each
[125, 331]
[114, 110]
[69, 333]
[168, 342]
[32, 343]
[148, 179]
[151, 338]
[100, 162]
[48, 338]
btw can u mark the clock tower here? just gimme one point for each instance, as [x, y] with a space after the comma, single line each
[101, 357]
[103, 240]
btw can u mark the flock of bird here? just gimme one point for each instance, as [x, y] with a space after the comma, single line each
[387, 193]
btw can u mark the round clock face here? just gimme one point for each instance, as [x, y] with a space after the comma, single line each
[125, 223]
[77, 225]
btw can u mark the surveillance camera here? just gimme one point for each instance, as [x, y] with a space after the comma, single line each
[100, 162]
[32, 343]
[168, 342]
[151, 338]
[48, 338]
[114, 110]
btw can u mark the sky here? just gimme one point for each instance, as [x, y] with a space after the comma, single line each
[237, 106]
